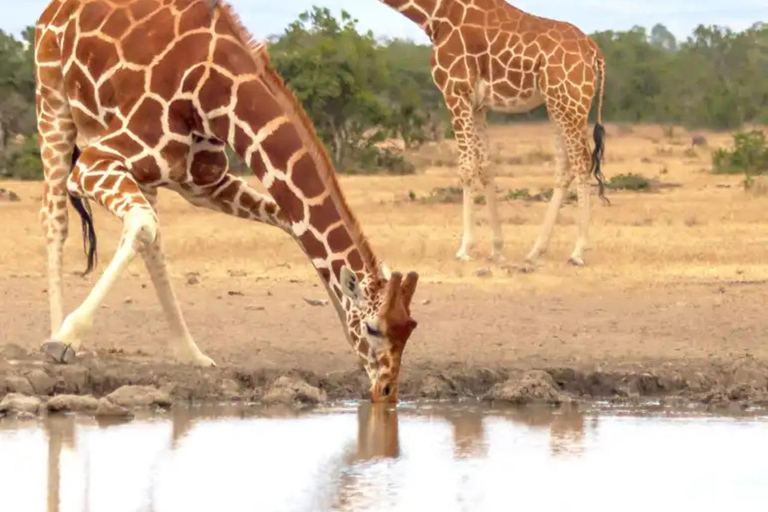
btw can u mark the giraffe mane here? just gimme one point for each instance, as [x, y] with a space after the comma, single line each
[315, 147]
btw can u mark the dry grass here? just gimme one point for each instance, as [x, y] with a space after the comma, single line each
[708, 229]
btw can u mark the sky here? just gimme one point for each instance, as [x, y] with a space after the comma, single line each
[268, 17]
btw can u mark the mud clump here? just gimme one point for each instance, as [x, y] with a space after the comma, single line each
[20, 404]
[139, 396]
[535, 387]
[293, 392]
[72, 403]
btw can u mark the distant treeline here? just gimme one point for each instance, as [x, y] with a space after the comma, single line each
[360, 90]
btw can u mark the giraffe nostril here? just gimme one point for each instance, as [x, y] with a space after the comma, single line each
[387, 390]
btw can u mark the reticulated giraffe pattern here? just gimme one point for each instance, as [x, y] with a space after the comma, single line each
[489, 55]
[134, 95]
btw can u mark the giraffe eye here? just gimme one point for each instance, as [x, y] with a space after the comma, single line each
[372, 331]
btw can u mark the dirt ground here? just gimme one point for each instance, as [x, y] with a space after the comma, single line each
[671, 303]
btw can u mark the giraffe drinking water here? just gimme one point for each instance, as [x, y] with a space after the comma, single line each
[134, 95]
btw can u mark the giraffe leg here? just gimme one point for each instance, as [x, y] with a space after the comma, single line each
[583, 189]
[487, 177]
[233, 196]
[57, 135]
[97, 176]
[466, 140]
[562, 181]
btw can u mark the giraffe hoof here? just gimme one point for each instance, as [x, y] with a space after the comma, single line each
[576, 262]
[463, 257]
[58, 352]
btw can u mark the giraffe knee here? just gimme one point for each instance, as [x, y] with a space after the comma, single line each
[142, 226]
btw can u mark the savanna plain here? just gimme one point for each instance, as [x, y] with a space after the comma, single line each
[670, 304]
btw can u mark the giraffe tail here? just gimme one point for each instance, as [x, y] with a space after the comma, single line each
[598, 155]
[83, 208]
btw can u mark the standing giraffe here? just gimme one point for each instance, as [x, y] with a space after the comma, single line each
[152, 91]
[489, 55]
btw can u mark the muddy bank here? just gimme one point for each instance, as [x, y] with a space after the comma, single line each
[110, 385]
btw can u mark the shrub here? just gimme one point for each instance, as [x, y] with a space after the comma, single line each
[22, 162]
[629, 181]
[749, 155]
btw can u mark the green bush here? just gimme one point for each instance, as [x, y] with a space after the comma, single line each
[749, 155]
[22, 162]
[629, 181]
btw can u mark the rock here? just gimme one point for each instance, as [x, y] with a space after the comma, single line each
[15, 402]
[19, 385]
[9, 196]
[435, 387]
[72, 380]
[72, 403]
[483, 272]
[193, 279]
[109, 409]
[140, 396]
[316, 303]
[426, 302]
[293, 391]
[41, 382]
[536, 387]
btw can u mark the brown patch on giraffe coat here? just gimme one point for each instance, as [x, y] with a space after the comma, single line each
[306, 177]
[324, 215]
[339, 239]
[208, 167]
[175, 155]
[183, 118]
[314, 247]
[169, 72]
[96, 55]
[93, 15]
[193, 79]
[258, 165]
[243, 141]
[148, 39]
[146, 170]
[281, 145]
[141, 9]
[220, 126]
[123, 144]
[117, 25]
[355, 261]
[146, 123]
[193, 17]
[48, 51]
[289, 202]
[255, 105]
[234, 58]
[216, 92]
[122, 90]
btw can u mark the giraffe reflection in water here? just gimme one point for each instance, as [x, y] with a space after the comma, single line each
[377, 441]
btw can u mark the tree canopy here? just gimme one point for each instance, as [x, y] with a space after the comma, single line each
[360, 90]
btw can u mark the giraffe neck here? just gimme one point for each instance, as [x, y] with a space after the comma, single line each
[270, 130]
[421, 12]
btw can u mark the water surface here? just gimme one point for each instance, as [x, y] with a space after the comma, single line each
[363, 458]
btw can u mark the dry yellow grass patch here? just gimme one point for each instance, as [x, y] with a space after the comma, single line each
[708, 229]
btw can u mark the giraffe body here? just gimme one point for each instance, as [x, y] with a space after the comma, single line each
[489, 55]
[151, 92]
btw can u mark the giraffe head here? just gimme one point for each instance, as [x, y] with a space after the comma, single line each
[380, 324]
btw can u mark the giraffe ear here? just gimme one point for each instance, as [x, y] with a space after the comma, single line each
[350, 286]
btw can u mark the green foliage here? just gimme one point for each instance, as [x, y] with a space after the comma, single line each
[346, 82]
[629, 181]
[749, 155]
[22, 162]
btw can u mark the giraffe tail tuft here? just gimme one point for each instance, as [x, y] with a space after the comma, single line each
[598, 156]
[83, 208]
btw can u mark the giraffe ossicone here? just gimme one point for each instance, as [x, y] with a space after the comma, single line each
[148, 94]
[489, 55]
